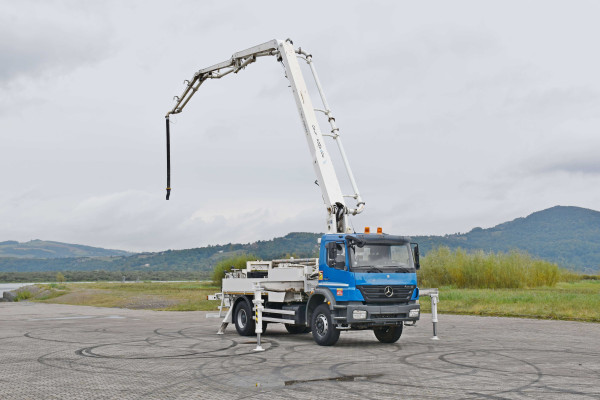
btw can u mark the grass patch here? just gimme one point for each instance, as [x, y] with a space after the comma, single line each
[510, 284]
[577, 301]
[23, 295]
[50, 295]
[58, 286]
[173, 296]
[50, 291]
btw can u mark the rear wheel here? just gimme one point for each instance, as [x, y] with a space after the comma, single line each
[388, 334]
[323, 327]
[244, 319]
[296, 329]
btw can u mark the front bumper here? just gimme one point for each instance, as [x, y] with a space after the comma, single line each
[376, 314]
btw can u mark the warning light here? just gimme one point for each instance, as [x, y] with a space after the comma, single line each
[379, 231]
[367, 229]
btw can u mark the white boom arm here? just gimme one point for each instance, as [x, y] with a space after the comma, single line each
[337, 211]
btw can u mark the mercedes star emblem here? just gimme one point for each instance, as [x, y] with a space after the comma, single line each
[388, 291]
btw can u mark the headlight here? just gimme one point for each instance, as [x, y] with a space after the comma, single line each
[413, 313]
[359, 314]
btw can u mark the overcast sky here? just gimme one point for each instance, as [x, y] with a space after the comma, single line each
[454, 115]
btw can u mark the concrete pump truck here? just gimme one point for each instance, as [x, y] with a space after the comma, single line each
[360, 280]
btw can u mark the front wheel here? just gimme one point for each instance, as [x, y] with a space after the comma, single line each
[323, 327]
[388, 334]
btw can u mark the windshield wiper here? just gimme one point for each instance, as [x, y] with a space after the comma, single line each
[371, 268]
[399, 269]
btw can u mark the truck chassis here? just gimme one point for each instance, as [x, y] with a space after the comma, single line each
[287, 291]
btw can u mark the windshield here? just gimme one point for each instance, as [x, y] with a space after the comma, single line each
[381, 258]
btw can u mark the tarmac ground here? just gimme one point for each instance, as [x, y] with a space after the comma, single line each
[51, 351]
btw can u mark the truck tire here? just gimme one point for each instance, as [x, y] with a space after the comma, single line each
[323, 327]
[296, 329]
[244, 319]
[388, 334]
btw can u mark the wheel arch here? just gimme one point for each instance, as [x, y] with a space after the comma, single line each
[319, 296]
[243, 298]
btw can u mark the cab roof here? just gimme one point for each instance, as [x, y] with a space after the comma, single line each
[372, 238]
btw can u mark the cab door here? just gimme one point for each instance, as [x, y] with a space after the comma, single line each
[336, 274]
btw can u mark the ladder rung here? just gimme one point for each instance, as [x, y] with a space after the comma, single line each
[285, 321]
[278, 311]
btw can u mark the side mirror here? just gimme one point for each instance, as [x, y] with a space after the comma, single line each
[416, 255]
[331, 254]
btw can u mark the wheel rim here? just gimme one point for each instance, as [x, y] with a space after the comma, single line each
[321, 325]
[242, 318]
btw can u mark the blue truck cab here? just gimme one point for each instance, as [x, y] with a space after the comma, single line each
[366, 281]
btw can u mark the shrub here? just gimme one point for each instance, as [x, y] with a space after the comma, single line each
[23, 295]
[227, 264]
[479, 269]
[565, 275]
[591, 277]
[51, 286]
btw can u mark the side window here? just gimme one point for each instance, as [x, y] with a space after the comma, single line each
[340, 256]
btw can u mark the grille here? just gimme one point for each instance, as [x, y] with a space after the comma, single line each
[388, 316]
[376, 293]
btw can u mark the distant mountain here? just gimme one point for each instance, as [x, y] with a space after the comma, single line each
[48, 249]
[297, 244]
[568, 236]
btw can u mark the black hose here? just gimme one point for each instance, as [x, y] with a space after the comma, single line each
[168, 160]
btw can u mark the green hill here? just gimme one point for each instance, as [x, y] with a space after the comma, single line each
[295, 244]
[569, 236]
[48, 249]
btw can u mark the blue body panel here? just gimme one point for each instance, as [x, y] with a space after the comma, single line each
[342, 283]
[387, 279]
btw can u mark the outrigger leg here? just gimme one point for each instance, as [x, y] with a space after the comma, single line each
[226, 321]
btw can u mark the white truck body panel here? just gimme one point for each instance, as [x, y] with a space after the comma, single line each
[286, 281]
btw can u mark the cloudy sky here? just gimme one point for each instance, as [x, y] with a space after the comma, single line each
[454, 115]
